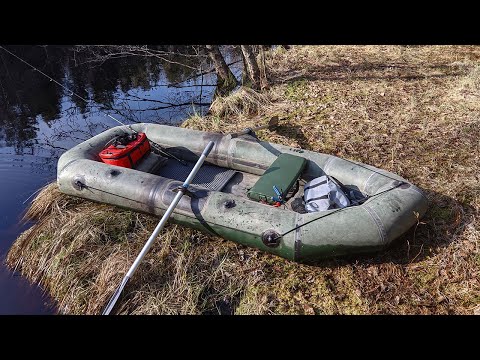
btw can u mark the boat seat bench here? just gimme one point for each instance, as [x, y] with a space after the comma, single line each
[283, 173]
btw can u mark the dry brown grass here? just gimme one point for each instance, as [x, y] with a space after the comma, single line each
[79, 251]
[411, 110]
[244, 101]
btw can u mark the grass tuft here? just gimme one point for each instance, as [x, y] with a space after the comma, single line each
[244, 101]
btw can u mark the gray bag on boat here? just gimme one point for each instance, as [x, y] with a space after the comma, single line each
[323, 193]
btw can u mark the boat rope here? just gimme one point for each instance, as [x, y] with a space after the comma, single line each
[158, 147]
[82, 186]
[354, 202]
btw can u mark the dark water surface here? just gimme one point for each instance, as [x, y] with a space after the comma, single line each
[39, 120]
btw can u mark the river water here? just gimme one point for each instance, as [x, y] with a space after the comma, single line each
[39, 120]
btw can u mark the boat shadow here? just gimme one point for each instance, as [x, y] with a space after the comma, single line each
[445, 222]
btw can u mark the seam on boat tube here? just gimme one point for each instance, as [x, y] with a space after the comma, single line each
[231, 150]
[66, 165]
[413, 187]
[154, 194]
[298, 236]
[378, 222]
[366, 182]
[327, 164]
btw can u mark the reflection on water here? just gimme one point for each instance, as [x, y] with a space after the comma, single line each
[39, 120]
[19, 176]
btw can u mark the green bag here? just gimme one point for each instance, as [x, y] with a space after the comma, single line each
[283, 173]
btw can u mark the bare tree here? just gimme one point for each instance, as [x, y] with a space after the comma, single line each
[255, 72]
[263, 67]
[226, 81]
[251, 66]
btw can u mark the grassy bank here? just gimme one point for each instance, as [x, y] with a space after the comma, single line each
[414, 111]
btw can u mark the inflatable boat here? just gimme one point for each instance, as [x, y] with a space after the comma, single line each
[248, 191]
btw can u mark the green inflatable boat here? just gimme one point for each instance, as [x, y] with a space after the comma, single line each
[248, 191]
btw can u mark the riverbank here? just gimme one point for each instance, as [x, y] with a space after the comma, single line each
[410, 110]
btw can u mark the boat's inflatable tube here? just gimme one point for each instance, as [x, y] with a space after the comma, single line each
[300, 237]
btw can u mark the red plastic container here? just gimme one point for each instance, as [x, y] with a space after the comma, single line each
[127, 155]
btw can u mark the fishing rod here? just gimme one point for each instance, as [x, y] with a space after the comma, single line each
[158, 147]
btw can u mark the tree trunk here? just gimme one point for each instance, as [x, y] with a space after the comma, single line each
[263, 69]
[253, 72]
[226, 81]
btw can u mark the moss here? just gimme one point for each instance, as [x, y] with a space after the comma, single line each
[425, 276]
[296, 90]
[440, 213]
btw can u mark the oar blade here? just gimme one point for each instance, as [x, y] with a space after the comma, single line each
[116, 295]
[273, 121]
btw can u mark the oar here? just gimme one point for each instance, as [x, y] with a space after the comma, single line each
[272, 122]
[151, 239]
